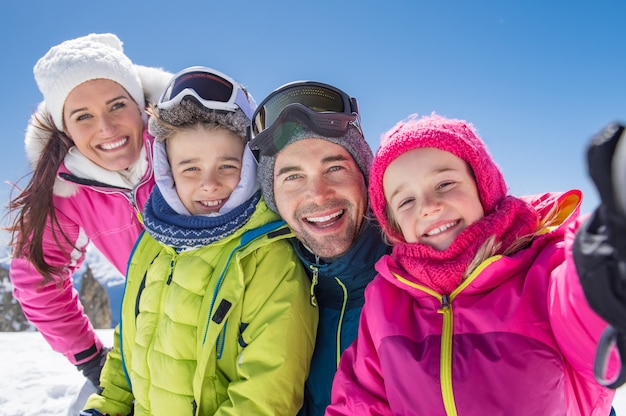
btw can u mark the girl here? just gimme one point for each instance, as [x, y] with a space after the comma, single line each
[478, 310]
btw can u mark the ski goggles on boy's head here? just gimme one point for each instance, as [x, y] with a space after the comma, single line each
[322, 108]
[210, 88]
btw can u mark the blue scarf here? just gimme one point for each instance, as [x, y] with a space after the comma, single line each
[188, 231]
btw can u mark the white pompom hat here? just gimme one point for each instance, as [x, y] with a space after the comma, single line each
[69, 64]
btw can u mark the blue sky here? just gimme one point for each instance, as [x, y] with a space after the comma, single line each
[536, 78]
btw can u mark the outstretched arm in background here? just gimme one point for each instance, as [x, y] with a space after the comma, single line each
[600, 245]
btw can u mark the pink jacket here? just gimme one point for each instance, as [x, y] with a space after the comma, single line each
[107, 216]
[516, 338]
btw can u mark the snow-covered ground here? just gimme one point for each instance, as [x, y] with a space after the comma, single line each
[34, 380]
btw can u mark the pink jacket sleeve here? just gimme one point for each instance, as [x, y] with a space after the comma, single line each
[54, 307]
[577, 328]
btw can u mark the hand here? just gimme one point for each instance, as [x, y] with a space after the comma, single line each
[606, 159]
[91, 369]
[600, 246]
[619, 176]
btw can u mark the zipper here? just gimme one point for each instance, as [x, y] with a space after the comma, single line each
[163, 297]
[340, 323]
[313, 300]
[445, 361]
[171, 272]
[128, 194]
[314, 280]
[132, 198]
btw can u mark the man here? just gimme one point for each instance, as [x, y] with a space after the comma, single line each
[313, 167]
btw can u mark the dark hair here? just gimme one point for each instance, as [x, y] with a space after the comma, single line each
[34, 204]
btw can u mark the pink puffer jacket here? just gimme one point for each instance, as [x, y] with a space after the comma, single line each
[109, 217]
[516, 338]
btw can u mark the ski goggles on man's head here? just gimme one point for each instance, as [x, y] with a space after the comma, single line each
[322, 108]
[210, 88]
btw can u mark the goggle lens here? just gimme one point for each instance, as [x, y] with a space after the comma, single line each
[208, 86]
[316, 98]
[311, 105]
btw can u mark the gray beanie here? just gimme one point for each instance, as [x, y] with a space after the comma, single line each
[353, 141]
[69, 64]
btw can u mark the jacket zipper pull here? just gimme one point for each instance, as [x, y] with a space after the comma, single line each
[445, 303]
[133, 203]
[314, 278]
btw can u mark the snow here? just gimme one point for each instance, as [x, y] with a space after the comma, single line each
[35, 380]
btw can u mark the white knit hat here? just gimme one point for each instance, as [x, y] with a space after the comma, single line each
[69, 64]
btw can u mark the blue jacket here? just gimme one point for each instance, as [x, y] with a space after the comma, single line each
[338, 289]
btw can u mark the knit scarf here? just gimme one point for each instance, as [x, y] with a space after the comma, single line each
[443, 271]
[188, 231]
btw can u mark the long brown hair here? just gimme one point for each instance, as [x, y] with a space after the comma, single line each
[34, 204]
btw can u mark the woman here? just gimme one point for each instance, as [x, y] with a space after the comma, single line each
[90, 152]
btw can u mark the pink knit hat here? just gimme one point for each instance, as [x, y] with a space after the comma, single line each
[455, 136]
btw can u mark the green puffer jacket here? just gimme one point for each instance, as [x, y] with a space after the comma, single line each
[226, 329]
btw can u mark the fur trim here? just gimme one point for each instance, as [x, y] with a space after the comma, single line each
[36, 138]
[34, 142]
[153, 81]
[64, 189]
